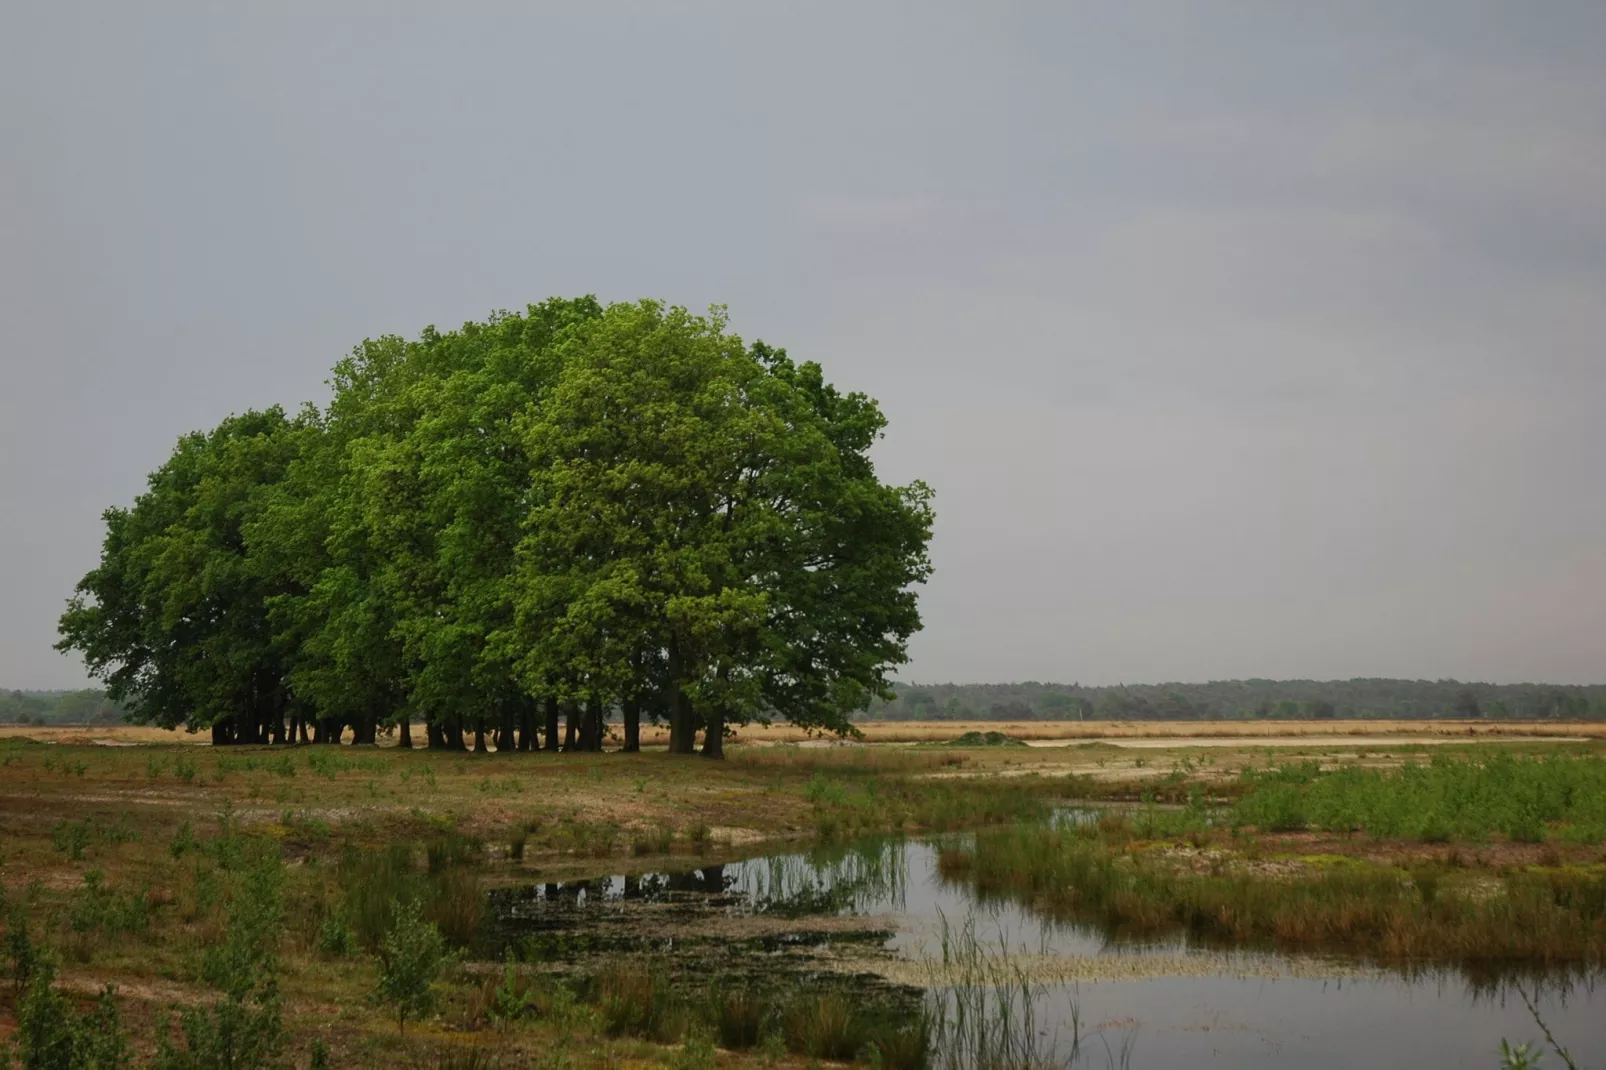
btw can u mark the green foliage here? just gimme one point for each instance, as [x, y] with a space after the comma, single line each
[23, 956]
[52, 1036]
[100, 909]
[184, 841]
[89, 706]
[335, 938]
[245, 1027]
[599, 506]
[411, 957]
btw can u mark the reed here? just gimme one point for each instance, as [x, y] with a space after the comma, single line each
[1433, 915]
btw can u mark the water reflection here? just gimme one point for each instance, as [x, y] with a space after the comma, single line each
[1189, 1005]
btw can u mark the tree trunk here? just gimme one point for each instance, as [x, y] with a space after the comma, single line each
[404, 733]
[552, 724]
[301, 728]
[454, 734]
[571, 726]
[526, 723]
[632, 715]
[509, 739]
[714, 736]
[479, 739]
[436, 738]
[592, 727]
[682, 723]
[220, 734]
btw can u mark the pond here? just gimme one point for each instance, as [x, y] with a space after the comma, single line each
[878, 913]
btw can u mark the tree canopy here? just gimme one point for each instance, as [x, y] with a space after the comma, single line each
[561, 512]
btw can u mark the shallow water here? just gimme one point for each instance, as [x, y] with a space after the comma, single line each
[1174, 1005]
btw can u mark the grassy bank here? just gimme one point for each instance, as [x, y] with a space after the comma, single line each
[1229, 874]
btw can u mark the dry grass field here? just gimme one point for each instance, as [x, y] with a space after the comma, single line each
[1182, 733]
[942, 731]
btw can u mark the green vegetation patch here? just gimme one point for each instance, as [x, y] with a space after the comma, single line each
[1522, 798]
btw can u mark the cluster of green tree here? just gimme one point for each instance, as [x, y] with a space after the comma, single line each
[88, 706]
[514, 528]
[1240, 700]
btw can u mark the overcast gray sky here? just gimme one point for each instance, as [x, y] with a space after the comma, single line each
[1236, 339]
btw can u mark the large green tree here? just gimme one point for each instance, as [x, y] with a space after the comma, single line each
[569, 508]
[713, 502]
[173, 616]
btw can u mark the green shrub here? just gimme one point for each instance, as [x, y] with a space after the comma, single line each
[245, 1028]
[410, 959]
[335, 938]
[50, 1036]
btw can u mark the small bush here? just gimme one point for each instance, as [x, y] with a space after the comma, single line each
[184, 841]
[410, 959]
[335, 938]
[50, 1036]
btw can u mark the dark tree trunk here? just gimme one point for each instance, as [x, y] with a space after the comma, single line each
[714, 735]
[404, 733]
[220, 734]
[552, 724]
[301, 728]
[454, 735]
[508, 740]
[682, 729]
[333, 729]
[433, 733]
[479, 739]
[317, 729]
[682, 724]
[571, 726]
[591, 726]
[527, 740]
[632, 716]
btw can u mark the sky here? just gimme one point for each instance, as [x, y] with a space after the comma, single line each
[1236, 339]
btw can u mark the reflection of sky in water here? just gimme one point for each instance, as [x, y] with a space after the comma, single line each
[1238, 1017]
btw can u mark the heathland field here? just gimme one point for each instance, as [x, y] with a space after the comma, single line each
[372, 906]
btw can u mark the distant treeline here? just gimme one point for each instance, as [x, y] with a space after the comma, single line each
[88, 706]
[1242, 700]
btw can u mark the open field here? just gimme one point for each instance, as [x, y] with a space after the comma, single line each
[129, 860]
[1181, 733]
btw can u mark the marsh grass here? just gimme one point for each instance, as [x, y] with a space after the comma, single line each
[1522, 798]
[371, 881]
[844, 808]
[635, 998]
[1428, 915]
[981, 1013]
